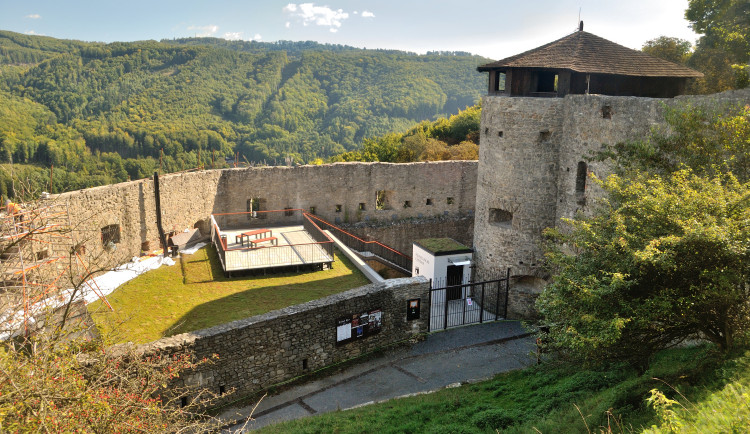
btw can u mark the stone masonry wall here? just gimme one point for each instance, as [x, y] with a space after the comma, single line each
[188, 199]
[449, 185]
[263, 350]
[531, 169]
[401, 234]
[517, 174]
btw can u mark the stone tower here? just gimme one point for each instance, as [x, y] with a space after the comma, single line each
[540, 121]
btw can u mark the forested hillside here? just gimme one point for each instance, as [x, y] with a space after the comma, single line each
[101, 113]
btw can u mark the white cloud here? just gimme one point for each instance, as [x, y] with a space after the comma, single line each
[203, 31]
[324, 16]
[367, 14]
[287, 24]
[34, 16]
[233, 36]
[257, 37]
[31, 32]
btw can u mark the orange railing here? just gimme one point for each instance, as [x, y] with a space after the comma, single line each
[375, 247]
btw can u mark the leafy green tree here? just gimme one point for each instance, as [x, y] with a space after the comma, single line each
[668, 48]
[723, 51]
[666, 255]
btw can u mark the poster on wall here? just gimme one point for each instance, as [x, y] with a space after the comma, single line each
[357, 326]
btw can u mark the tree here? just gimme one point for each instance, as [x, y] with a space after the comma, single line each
[666, 255]
[673, 49]
[56, 375]
[724, 49]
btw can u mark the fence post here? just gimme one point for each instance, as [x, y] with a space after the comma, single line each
[507, 290]
[463, 304]
[429, 320]
[481, 306]
[445, 299]
[497, 301]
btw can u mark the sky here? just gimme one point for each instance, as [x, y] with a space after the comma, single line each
[491, 28]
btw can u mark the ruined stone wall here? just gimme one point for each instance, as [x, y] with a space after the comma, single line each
[188, 199]
[263, 350]
[401, 234]
[450, 187]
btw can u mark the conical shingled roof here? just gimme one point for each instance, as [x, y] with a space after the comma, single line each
[587, 53]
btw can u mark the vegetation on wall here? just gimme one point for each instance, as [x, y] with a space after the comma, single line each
[664, 258]
[453, 138]
[108, 112]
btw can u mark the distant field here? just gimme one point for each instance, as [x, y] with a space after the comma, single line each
[169, 301]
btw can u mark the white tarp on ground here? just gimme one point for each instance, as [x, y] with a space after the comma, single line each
[193, 249]
[105, 285]
[110, 281]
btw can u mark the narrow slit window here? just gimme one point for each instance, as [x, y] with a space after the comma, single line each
[362, 206]
[338, 208]
[581, 175]
[428, 202]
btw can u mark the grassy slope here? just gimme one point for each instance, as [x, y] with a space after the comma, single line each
[543, 398]
[161, 303]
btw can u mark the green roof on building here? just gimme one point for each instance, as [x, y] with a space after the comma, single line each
[442, 245]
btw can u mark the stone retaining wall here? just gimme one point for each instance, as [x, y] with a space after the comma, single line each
[263, 350]
[401, 234]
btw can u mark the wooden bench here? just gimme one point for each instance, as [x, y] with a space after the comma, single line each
[258, 233]
[254, 243]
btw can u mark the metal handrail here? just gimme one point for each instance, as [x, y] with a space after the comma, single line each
[375, 247]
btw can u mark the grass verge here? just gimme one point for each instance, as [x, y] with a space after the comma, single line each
[547, 399]
[195, 295]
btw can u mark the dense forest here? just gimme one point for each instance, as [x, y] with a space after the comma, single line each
[102, 113]
[453, 138]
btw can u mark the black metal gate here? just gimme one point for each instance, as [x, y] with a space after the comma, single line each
[477, 302]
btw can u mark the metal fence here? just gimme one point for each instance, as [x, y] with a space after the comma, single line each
[243, 258]
[374, 247]
[477, 302]
[259, 219]
[219, 242]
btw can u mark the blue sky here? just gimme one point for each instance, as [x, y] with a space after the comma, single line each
[494, 29]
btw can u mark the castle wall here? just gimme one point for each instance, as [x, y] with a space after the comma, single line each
[450, 186]
[188, 199]
[401, 234]
[516, 181]
[532, 172]
[257, 352]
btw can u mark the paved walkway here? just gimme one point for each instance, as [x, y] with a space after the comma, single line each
[460, 355]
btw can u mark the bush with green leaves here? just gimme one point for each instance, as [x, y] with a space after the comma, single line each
[665, 256]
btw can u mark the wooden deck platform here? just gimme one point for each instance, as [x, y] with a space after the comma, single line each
[295, 247]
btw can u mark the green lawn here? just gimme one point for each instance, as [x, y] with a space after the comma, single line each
[543, 399]
[169, 301]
